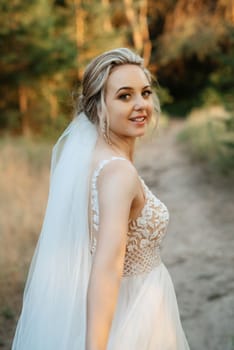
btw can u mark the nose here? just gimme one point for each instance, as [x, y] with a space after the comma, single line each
[139, 102]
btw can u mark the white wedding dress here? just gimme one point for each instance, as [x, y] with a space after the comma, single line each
[147, 316]
[53, 315]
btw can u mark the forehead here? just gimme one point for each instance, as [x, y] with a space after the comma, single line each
[129, 75]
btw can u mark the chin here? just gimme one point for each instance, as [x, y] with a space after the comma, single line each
[140, 132]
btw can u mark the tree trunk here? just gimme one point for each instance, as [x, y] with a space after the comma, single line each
[147, 45]
[53, 105]
[107, 25]
[232, 11]
[23, 106]
[134, 24]
[80, 15]
[137, 19]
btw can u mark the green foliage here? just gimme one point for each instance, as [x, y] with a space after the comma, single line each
[223, 85]
[164, 95]
[7, 313]
[33, 44]
[37, 53]
[181, 107]
[196, 55]
[197, 35]
[100, 33]
[41, 57]
[228, 141]
[52, 129]
[223, 78]
[209, 135]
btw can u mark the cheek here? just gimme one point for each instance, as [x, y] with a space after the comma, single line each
[119, 111]
[150, 109]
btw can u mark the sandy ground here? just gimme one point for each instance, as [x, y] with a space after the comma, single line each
[199, 246]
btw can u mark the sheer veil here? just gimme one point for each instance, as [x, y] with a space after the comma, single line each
[54, 305]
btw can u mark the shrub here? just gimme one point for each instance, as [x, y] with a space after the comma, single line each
[209, 134]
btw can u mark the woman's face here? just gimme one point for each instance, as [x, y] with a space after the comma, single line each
[129, 101]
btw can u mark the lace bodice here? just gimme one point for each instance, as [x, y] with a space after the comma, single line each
[145, 233]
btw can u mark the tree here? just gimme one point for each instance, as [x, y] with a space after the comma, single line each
[95, 31]
[194, 34]
[137, 20]
[37, 53]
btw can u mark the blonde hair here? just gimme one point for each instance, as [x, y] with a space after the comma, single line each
[92, 97]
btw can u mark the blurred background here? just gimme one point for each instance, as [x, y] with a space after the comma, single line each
[45, 45]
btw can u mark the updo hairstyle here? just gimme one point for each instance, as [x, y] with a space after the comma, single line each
[92, 98]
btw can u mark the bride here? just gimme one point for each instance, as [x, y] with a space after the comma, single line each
[97, 281]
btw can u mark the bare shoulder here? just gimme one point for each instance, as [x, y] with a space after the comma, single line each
[119, 175]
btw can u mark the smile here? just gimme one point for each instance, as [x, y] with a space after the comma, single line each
[138, 119]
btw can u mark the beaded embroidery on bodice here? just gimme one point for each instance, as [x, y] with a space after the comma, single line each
[145, 233]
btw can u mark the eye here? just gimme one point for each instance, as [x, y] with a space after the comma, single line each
[146, 93]
[124, 97]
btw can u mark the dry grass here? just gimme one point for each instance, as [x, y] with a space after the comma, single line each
[24, 179]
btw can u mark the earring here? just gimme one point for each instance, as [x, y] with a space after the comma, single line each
[104, 130]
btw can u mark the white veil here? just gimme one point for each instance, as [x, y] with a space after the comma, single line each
[54, 306]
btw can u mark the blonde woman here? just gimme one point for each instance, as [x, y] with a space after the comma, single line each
[97, 281]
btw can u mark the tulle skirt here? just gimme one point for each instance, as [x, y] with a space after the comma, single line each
[147, 316]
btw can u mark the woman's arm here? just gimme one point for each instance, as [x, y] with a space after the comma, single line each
[117, 189]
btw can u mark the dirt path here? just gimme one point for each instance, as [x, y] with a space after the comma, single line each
[199, 247]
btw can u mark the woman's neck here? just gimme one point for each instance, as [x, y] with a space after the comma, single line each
[121, 146]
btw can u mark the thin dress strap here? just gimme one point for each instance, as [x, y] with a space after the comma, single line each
[94, 200]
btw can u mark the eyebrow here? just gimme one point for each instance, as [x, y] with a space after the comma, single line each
[130, 88]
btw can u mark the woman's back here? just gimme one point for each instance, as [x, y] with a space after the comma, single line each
[146, 301]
